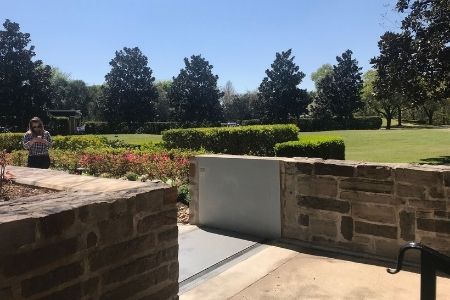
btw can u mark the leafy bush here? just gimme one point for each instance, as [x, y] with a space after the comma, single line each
[156, 127]
[326, 147]
[79, 142]
[97, 128]
[253, 140]
[11, 141]
[310, 124]
[251, 122]
[59, 125]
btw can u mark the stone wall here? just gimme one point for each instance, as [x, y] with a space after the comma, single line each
[368, 209]
[365, 208]
[90, 245]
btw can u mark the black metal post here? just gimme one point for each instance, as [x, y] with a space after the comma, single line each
[427, 277]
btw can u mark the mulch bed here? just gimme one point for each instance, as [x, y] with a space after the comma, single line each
[13, 191]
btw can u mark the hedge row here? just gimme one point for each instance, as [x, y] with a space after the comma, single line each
[148, 127]
[252, 140]
[326, 147]
[357, 123]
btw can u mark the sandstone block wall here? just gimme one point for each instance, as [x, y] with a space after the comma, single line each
[90, 245]
[366, 208]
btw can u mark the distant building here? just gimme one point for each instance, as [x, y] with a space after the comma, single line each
[73, 116]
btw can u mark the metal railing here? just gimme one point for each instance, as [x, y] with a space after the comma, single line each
[431, 262]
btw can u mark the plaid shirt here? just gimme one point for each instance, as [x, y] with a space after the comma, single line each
[37, 148]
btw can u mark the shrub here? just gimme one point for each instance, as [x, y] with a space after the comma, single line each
[59, 125]
[253, 140]
[310, 124]
[251, 122]
[156, 127]
[11, 141]
[326, 147]
[96, 128]
[79, 142]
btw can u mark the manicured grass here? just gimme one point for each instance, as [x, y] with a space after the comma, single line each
[137, 139]
[397, 145]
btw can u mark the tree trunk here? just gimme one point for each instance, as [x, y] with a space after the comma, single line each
[399, 116]
[430, 118]
[388, 121]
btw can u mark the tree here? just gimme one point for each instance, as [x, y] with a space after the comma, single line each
[129, 94]
[320, 73]
[229, 93]
[24, 83]
[163, 104]
[393, 66]
[339, 93]
[428, 22]
[240, 107]
[194, 95]
[280, 98]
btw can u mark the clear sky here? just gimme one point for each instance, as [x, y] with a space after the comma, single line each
[239, 37]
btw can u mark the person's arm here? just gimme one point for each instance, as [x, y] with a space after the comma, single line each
[48, 139]
[28, 141]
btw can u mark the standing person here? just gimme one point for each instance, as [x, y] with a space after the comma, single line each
[37, 141]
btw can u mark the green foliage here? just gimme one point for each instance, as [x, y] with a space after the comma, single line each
[357, 123]
[253, 140]
[59, 125]
[184, 196]
[97, 127]
[25, 89]
[321, 73]
[11, 141]
[338, 93]
[326, 147]
[240, 107]
[279, 98]
[129, 92]
[194, 95]
[78, 142]
[131, 176]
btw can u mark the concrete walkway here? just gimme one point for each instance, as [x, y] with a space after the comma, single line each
[276, 272]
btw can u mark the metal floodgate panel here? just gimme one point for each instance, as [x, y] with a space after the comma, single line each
[203, 250]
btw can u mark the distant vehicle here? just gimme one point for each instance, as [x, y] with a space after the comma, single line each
[229, 124]
[81, 129]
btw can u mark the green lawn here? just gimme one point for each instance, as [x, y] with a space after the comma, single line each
[137, 139]
[397, 145]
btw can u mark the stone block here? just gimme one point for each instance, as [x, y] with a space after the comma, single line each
[323, 227]
[421, 177]
[447, 178]
[410, 191]
[137, 285]
[155, 221]
[374, 171]
[168, 292]
[317, 186]
[386, 248]
[51, 279]
[407, 225]
[358, 196]
[376, 229]
[120, 251]
[169, 235]
[440, 226]
[342, 170]
[367, 185]
[347, 227]
[303, 220]
[374, 213]
[16, 264]
[17, 234]
[91, 240]
[71, 292]
[324, 204]
[150, 202]
[427, 204]
[56, 224]
[116, 229]
[440, 244]
[170, 196]
[304, 167]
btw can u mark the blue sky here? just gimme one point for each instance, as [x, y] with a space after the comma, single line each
[239, 37]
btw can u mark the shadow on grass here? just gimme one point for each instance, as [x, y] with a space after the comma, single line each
[441, 160]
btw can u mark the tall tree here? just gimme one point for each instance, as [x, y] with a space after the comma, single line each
[194, 95]
[394, 71]
[229, 93]
[428, 22]
[129, 93]
[25, 89]
[320, 73]
[339, 93]
[279, 95]
[240, 107]
[163, 104]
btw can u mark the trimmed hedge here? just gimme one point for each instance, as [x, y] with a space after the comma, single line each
[252, 140]
[96, 127]
[11, 141]
[357, 123]
[326, 147]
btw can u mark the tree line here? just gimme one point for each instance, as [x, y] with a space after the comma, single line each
[409, 76]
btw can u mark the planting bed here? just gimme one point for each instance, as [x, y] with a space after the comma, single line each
[13, 191]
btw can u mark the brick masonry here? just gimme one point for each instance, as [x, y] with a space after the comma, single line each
[369, 208]
[90, 244]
